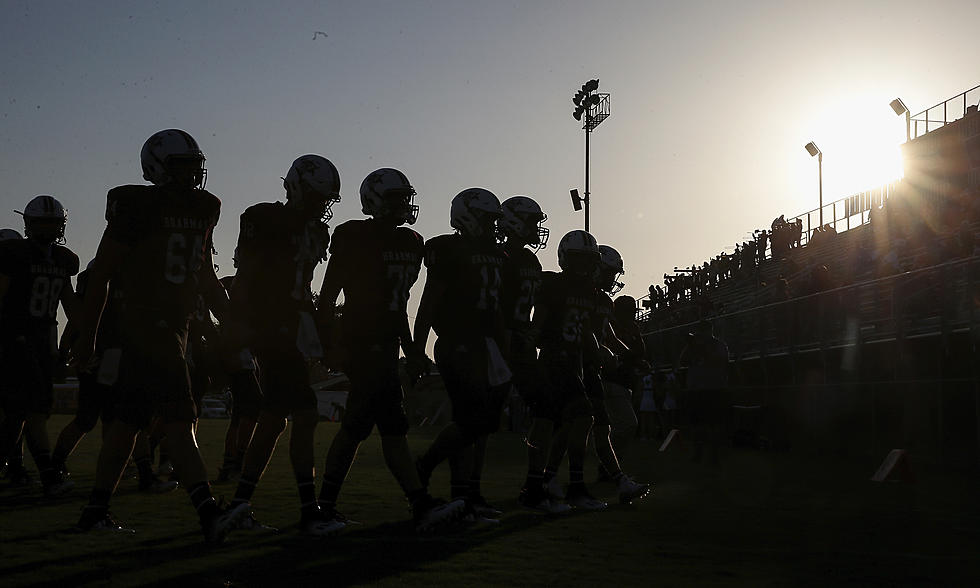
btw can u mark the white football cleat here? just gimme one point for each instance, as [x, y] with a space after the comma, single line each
[629, 490]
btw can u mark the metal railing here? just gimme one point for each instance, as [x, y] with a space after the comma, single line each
[937, 299]
[843, 214]
[938, 116]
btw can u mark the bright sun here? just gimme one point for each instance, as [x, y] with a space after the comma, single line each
[861, 150]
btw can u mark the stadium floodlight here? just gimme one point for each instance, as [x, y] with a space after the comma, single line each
[815, 151]
[900, 108]
[594, 107]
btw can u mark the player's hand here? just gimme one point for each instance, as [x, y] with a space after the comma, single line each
[417, 364]
[83, 353]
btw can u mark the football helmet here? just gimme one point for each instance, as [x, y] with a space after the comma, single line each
[45, 219]
[387, 194]
[578, 253]
[521, 218]
[173, 156]
[9, 235]
[474, 212]
[610, 270]
[313, 184]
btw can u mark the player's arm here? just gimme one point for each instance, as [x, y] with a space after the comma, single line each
[433, 295]
[609, 339]
[110, 255]
[211, 289]
[69, 302]
[333, 283]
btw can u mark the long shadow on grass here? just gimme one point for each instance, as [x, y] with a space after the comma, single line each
[362, 555]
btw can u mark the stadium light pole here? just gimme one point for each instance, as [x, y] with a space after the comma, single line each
[813, 150]
[595, 108]
[900, 108]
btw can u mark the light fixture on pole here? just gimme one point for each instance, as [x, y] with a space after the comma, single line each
[900, 108]
[595, 108]
[813, 150]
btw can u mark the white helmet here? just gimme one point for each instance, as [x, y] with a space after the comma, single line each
[610, 270]
[387, 193]
[578, 253]
[313, 183]
[9, 235]
[522, 219]
[474, 211]
[45, 219]
[172, 155]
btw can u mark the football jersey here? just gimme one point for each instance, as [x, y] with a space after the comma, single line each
[570, 308]
[38, 275]
[472, 270]
[169, 234]
[380, 264]
[278, 249]
[521, 281]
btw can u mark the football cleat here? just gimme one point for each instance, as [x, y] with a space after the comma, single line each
[434, 513]
[580, 498]
[481, 507]
[58, 488]
[216, 528]
[166, 468]
[249, 523]
[18, 477]
[321, 524]
[553, 489]
[155, 485]
[104, 523]
[539, 501]
[630, 490]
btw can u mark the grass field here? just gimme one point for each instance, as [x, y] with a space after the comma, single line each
[759, 519]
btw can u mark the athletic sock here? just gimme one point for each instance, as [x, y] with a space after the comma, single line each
[475, 486]
[549, 473]
[145, 468]
[203, 502]
[307, 495]
[96, 509]
[48, 474]
[459, 489]
[576, 479]
[535, 480]
[246, 487]
[329, 490]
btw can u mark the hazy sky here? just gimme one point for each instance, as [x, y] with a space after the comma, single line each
[712, 103]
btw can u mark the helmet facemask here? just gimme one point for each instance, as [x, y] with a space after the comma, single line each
[45, 229]
[399, 206]
[187, 171]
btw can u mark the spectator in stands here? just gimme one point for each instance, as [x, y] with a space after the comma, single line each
[762, 240]
[706, 358]
[797, 233]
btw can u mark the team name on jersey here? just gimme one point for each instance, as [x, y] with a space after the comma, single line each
[183, 222]
[37, 268]
[480, 259]
[396, 256]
